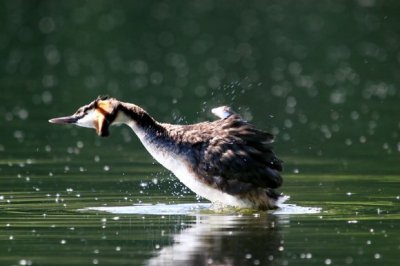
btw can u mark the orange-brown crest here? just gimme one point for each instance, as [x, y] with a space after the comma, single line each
[103, 109]
[104, 106]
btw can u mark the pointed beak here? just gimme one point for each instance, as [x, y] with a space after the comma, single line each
[64, 120]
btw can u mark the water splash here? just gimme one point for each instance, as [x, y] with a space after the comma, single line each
[191, 208]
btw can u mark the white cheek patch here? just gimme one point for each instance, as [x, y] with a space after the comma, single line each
[88, 120]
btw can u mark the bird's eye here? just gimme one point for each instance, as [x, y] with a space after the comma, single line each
[79, 112]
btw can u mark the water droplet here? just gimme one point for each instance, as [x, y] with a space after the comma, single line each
[156, 78]
[24, 262]
[47, 97]
[22, 114]
[377, 256]
[349, 260]
[354, 115]
[337, 97]
[328, 261]
[47, 25]
[79, 144]
[19, 135]
[288, 123]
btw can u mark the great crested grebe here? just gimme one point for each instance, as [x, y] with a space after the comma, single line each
[227, 161]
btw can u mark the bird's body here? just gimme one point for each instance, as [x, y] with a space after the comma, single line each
[227, 161]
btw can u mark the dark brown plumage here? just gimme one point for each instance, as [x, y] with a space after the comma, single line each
[231, 153]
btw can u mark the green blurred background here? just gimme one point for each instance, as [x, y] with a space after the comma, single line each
[322, 75]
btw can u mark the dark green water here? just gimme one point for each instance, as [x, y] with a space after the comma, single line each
[322, 75]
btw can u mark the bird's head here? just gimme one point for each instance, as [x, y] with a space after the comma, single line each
[99, 114]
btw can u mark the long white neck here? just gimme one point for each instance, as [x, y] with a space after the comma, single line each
[152, 134]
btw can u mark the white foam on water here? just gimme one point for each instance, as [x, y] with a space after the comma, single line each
[190, 208]
[154, 209]
[294, 209]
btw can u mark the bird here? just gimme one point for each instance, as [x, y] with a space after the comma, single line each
[227, 161]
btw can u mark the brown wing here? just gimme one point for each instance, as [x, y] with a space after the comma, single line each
[234, 153]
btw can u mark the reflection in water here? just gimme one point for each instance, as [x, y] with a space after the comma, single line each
[217, 239]
[225, 240]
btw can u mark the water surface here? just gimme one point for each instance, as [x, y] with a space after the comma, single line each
[120, 216]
